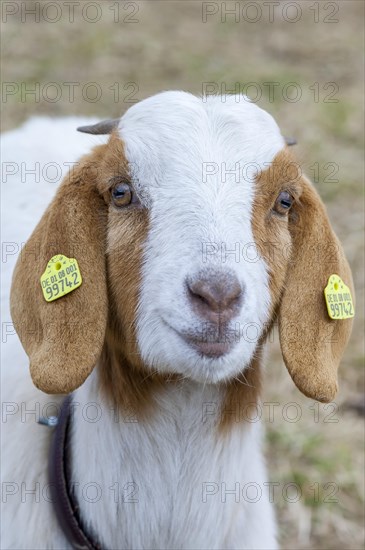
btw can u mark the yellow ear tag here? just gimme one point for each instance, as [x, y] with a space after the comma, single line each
[338, 298]
[62, 275]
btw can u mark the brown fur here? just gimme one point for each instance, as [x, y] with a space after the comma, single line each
[63, 339]
[301, 252]
[305, 253]
[124, 379]
[241, 395]
[95, 323]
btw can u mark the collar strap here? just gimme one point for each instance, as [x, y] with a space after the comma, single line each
[64, 503]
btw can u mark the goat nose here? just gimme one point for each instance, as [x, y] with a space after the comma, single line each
[215, 295]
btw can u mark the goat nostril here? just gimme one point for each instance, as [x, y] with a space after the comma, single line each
[218, 293]
[196, 294]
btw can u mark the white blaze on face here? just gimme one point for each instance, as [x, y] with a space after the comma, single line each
[193, 163]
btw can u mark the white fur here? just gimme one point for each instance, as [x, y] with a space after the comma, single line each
[169, 139]
[170, 457]
[169, 460]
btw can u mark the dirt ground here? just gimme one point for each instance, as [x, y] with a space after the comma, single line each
[303, 62]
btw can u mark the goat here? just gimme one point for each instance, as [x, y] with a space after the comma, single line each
[192, 221]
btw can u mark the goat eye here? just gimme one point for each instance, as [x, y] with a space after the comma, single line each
[283, 203]
[122, 194]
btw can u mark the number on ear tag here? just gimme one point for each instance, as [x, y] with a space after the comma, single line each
[62, 275]
[338, 299]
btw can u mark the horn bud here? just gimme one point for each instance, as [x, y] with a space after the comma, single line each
[290, 141]
[100, 128]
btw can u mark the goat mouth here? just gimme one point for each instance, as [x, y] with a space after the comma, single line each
[214, 343]
[213, 346]
[209, 349]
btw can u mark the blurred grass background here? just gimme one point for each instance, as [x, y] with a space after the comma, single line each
[169, 46]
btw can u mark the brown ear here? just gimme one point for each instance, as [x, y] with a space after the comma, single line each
[312, 344]
[63, 338]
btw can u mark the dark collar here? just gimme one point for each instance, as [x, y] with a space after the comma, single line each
[64, 503]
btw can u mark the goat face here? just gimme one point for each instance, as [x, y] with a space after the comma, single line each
[209, 230]
[204, 297]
